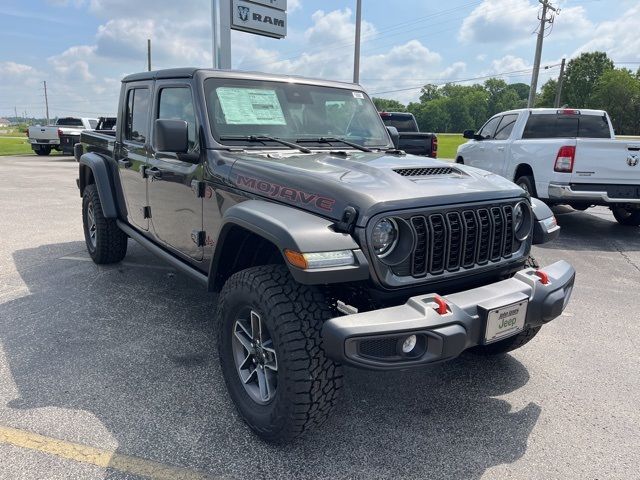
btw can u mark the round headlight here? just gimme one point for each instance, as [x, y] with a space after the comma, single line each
[518, 216]
[522, 221]
[384, 236]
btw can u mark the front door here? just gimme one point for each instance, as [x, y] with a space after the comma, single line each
[132, 154]
[176, 208]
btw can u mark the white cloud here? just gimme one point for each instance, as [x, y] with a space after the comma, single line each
[506, 21]
[619, 38]
[74, 62]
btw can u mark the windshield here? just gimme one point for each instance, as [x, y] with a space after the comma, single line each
[289, 111]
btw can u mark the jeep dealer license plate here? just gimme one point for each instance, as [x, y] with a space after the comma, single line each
[505, 321]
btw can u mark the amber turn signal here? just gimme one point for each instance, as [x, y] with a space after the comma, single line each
[296, 259]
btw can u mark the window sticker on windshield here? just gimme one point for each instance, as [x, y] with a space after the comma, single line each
[250, 106]
[358, 95]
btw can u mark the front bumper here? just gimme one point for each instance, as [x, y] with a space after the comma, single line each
[565, 193]
[370, 339]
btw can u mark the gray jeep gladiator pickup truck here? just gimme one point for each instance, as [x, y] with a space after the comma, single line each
[328, 246]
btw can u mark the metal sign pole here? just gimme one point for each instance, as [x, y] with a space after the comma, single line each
[221, 33]
[356, 53]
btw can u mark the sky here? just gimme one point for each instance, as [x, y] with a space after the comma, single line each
[83, 48]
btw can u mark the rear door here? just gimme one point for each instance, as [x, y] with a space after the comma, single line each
[496, 147]
[176, 208]
[132, 152]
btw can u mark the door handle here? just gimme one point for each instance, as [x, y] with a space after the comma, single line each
[125, 163]
[500, 148]
[153, 172]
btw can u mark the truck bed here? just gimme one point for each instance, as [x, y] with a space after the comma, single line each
[98, 141]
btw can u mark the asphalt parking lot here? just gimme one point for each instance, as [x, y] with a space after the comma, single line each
[111, 372]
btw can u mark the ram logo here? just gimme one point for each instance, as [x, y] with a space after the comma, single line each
[243, 13]
[633, 159]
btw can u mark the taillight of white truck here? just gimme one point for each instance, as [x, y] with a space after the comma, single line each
[564, 159]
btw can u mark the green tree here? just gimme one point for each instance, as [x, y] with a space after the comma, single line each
[388, 105]
[581, 75]
[522, 89]
[429, 92]
[618, 92]
[547, 96]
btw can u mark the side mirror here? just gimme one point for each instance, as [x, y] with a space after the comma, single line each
[470, 134]
[395, 136]
[171, 136]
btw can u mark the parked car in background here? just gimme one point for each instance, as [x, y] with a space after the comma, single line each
[411, 139]
[62, 136]
[562, 156]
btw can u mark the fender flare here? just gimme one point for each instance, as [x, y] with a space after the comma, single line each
[102, 179]
[290, 228]
[542, 232]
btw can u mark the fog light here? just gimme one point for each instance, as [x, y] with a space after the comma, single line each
[409, 343]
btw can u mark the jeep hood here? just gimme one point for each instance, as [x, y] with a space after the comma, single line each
[327, 183]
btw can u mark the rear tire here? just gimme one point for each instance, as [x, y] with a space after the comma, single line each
[626, 216]
[106, 243]
[42, 150]
[508, 344]
[526, 183]
[304, 388]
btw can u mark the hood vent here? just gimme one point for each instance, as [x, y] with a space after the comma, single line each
[425, 172]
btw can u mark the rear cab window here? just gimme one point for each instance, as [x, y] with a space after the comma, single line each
[560, 125]
[404, 123]
[69, 122]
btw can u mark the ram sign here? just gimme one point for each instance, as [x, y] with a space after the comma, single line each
[256, 18]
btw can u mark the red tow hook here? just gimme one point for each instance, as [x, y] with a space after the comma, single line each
[544, 278]
[442, 305]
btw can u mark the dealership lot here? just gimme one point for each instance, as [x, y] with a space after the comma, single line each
[111, 372]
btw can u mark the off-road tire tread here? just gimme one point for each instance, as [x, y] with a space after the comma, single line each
[111, 242]
[508, 344]
[314, 379]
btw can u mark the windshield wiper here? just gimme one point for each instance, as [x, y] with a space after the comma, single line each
[265, 138]
[334, 139]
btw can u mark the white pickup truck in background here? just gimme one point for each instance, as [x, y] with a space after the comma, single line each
[61, 136]
[562, 156]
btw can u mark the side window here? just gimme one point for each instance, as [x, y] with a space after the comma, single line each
[489, 128]
[176, 104]
[506, 127]
[137, 115]
[93, 123]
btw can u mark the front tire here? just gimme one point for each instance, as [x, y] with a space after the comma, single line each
[626, 216]
[106, 243]
[527, 183]
[507, 345]
[269, 327]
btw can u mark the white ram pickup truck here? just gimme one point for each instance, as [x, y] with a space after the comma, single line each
[562, 156]
[61, 136]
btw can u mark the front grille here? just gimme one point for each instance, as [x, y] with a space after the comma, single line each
[426, 171]
[461, 239]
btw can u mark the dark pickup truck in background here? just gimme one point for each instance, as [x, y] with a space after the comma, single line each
[411, 140]
[327, 244]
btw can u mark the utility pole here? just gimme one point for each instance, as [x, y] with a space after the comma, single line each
[46, 101]
[536, 62]
[148, 54]
[559, 89]
[15, 112]
[356, 53]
